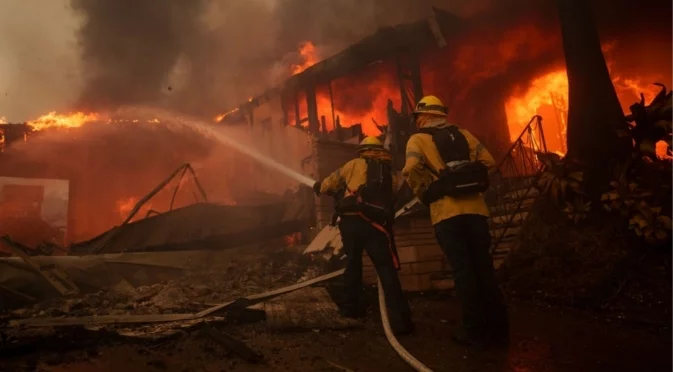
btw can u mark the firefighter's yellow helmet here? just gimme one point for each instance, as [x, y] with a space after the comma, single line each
[370, 143]
[430, 105]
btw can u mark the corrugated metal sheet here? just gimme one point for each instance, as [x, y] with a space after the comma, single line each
[201, 226]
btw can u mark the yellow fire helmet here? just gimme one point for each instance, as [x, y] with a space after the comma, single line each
[430, 105]
[370, 143]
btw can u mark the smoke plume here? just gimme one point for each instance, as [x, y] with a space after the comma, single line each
[129, 48]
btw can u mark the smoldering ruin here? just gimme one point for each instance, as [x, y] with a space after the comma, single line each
[147, 244]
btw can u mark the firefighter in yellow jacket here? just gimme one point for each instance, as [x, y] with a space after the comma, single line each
[448, 170]
[365, 191]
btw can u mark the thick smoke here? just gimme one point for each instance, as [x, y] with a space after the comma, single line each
[129, 48]
[38, 59]
[207, 56]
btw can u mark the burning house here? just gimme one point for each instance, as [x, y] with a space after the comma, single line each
[138, 223]
[509, 89]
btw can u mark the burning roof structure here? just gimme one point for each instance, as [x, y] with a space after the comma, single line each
[493, 83]
[307, 99]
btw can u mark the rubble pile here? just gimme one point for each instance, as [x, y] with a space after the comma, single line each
[198, 289]
[199, 305]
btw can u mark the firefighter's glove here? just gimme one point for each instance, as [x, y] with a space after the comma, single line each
[316, 188]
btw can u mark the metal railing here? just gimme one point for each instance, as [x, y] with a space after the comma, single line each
[513, 186]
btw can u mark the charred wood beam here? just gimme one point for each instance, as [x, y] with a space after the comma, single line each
[312, 108]
[296, 110]
[51, 273]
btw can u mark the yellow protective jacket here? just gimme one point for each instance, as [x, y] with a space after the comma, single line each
[351, 176]
[422, 150]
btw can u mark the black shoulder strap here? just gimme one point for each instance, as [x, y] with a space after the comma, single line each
[450, 142]
[378, 179]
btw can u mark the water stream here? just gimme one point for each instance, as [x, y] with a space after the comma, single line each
[212, 131]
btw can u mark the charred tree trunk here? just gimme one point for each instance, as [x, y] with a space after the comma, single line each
[594, 115]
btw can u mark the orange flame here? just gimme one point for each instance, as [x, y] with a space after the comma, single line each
[3, 120]
[54, 120]
[126, 205]
[331, 107]
[220, 117]
[547, 95]
[78, 119]
[309, 57]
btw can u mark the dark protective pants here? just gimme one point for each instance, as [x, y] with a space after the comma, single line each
[466, 240]
[358, 235]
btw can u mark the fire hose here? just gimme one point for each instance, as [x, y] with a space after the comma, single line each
[399, 349]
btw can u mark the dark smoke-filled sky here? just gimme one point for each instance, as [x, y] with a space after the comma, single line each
[205, 56]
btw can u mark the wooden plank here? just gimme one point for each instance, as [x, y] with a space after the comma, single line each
[420, 222]
[414, 231]
[443, 284]
[310, 308]
[416, 282]
[420, 253]
[411, 268]
[51, 273]
[415, 242]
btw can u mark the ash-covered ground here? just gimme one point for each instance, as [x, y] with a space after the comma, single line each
[543, 338]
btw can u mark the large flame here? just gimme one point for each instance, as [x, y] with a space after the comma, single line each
[547, 95]
[309, 57]
[54, 120]
[78, 119]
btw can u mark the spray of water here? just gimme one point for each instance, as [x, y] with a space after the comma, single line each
[211, 131]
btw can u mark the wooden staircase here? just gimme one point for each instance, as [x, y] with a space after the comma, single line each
[511, 196]
[508, 214]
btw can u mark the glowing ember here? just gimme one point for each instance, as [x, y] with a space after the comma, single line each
[220, 117]
[293, 240]
[662, 150]
[309, 57]
[54, 120]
